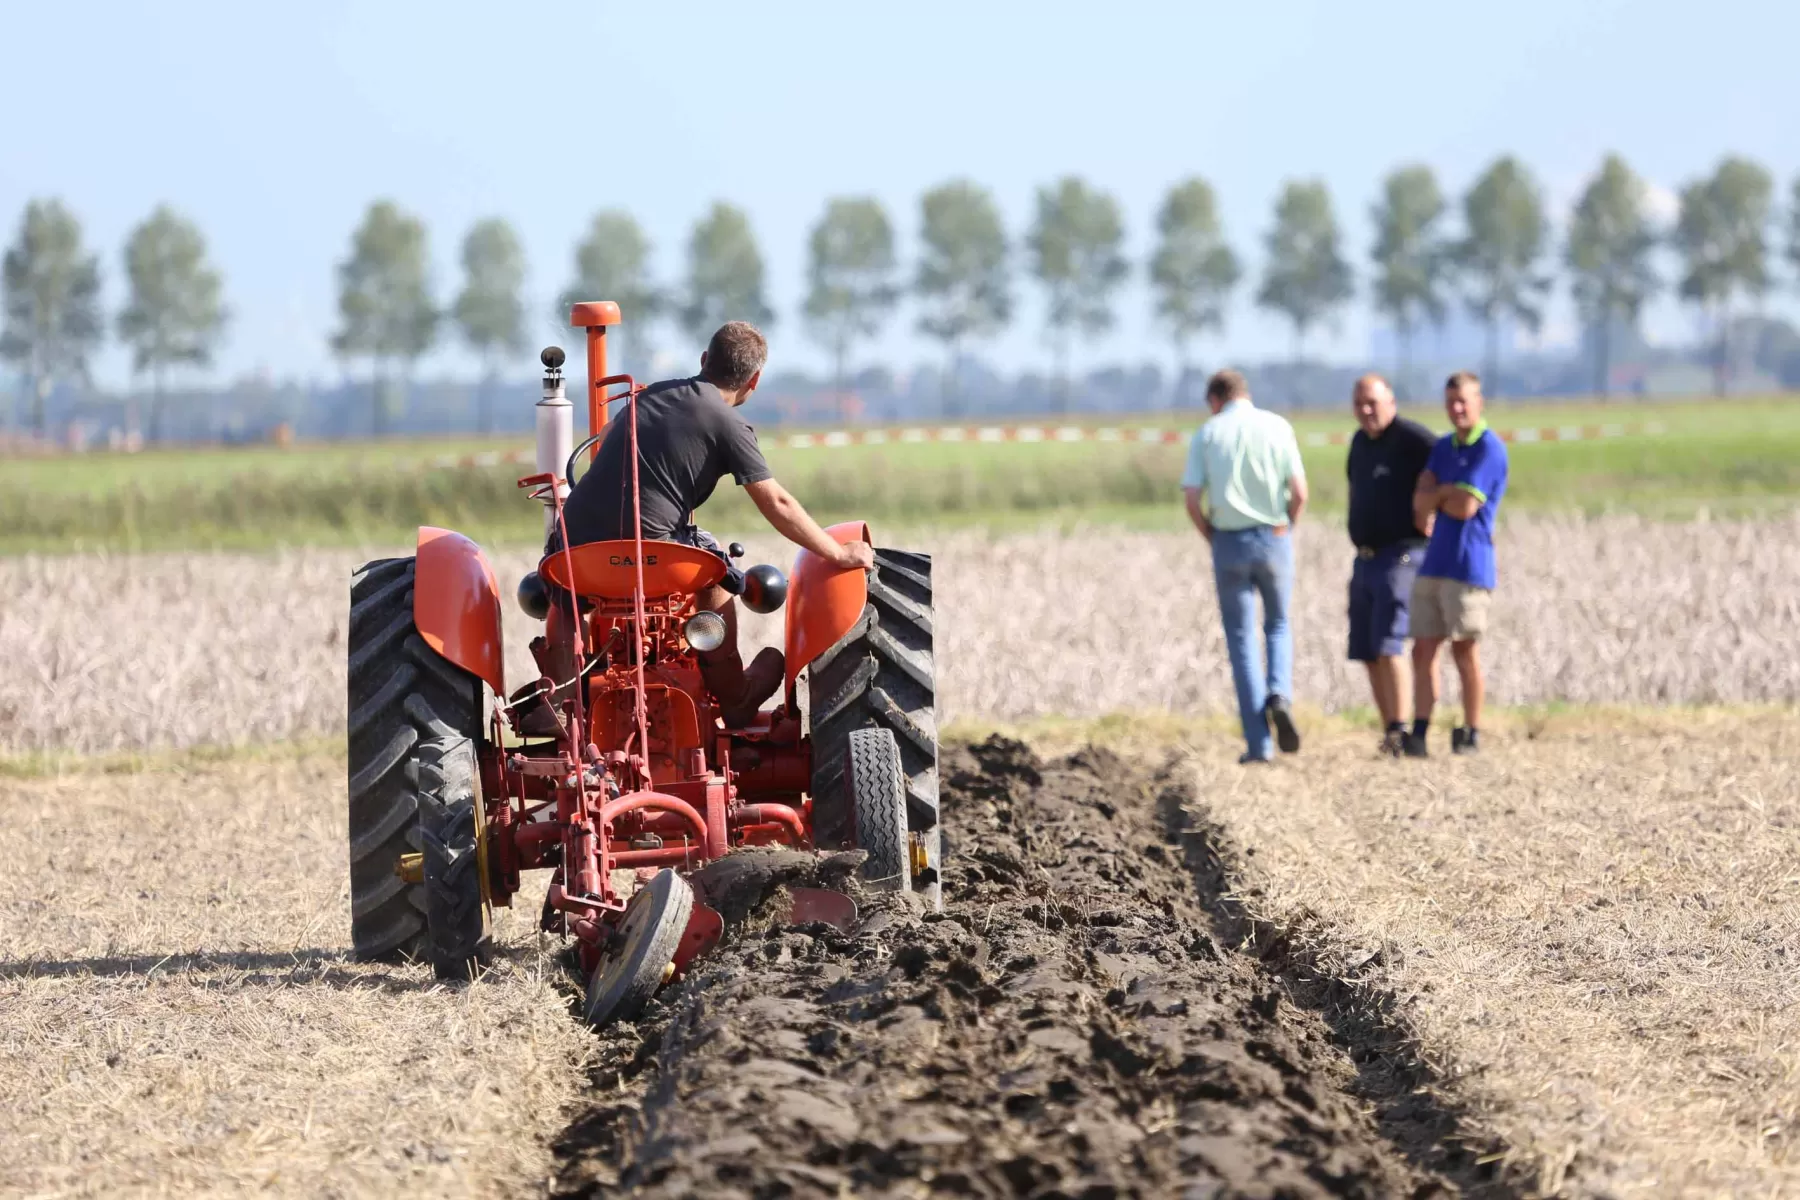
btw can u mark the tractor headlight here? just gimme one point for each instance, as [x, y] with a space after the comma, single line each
[704, 631]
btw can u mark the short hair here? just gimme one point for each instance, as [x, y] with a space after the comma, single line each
[1371, 377]
[1462, 379]
[735, 354]
[1227, 386]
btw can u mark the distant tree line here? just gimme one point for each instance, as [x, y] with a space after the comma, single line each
[50, 317]
[1493, 251]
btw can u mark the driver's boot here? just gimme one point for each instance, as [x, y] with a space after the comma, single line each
[740, 692]
[533, 710]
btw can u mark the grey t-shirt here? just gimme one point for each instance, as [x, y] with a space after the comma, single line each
[688, 439]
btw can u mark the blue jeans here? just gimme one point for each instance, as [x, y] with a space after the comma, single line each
[1247, 563]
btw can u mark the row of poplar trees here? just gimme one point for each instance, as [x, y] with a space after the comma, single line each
[1493, 251]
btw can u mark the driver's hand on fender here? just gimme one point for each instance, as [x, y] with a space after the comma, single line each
[858, 554]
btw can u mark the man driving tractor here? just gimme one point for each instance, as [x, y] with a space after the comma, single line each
[689, 436]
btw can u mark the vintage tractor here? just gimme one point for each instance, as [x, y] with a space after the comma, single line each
[637, 778]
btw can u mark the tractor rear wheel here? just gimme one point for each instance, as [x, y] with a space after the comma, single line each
[878, 787]
[881, 675]
[415, 720]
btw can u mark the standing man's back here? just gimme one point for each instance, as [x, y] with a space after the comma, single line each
[1248, 455]
[1245, 488]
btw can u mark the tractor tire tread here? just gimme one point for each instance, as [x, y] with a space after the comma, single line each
[391, 691]
[374, 604]
[376, 570]
[884, 596]
[457, 920]
[914, 568]
[880, 676]
[848, 691]
[399, 818]
[900, 722]
[822, 664]
[884, 645]
[402, 699]
[878, 791]
[377, 941]
[379, 646]
[449, 674]
[378, 768]
[376, 897]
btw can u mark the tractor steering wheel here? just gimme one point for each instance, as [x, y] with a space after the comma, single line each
[569, 467]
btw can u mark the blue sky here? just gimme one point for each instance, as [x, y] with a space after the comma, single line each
[274, 126]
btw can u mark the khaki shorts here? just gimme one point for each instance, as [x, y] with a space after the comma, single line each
[1449, 608]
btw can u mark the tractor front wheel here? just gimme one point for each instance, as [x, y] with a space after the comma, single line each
[878, 787]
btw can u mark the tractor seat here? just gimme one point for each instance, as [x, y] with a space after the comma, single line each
[608, 570]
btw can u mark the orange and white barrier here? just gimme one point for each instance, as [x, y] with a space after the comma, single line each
[1145, 435]
[955, 434]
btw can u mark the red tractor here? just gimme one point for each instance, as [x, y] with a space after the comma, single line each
[641, 780]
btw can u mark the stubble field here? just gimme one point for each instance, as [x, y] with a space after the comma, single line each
[1579, 945]
[124, 653]
[1565, 968]
[1591, 933]
[179, 1012]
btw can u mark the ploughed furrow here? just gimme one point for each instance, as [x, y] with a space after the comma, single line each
[1066, 1027]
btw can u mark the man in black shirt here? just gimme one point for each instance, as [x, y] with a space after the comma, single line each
[1386, 456]
[690, 435]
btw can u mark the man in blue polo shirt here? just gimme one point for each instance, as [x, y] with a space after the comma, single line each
[1460, 488]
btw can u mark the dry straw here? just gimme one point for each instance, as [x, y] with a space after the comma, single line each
[106, 653]
[1593, 930]
[180, 1015]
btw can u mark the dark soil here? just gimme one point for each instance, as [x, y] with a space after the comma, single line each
[1066, 1028]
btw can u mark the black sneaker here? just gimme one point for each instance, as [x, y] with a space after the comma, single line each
[1413, 745]
[1462, 741]
[1286, 735]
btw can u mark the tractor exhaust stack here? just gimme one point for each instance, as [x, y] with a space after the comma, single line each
[555, 433]
[594, 316]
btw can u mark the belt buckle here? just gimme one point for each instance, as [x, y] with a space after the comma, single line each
[1365, 552]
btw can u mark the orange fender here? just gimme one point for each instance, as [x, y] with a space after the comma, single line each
[456, 604]
[823, 601]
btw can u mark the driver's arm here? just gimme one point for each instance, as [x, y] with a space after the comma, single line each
[791, 521]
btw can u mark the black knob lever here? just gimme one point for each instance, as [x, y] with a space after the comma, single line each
[552, 358]
[736, 550]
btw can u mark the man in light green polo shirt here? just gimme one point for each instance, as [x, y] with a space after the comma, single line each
[1245, 488]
